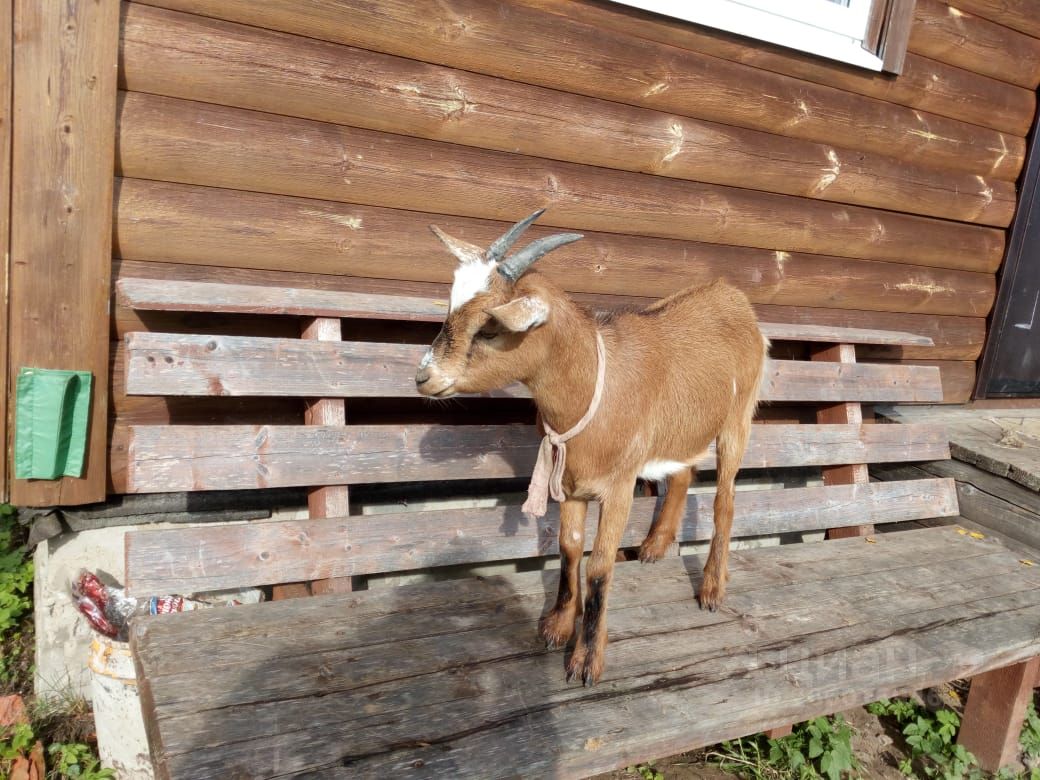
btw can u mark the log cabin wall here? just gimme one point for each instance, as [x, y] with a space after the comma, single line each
[309, 143]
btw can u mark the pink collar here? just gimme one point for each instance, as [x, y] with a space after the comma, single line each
[547, 478]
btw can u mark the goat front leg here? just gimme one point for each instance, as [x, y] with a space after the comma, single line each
[588, 659]
[557, 627]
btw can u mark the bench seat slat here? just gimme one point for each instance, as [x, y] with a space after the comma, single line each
[466, 689]
[170, 295]
[164, 458]
[178, 364]
[189, 560]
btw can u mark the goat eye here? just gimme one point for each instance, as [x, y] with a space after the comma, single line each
[486, 335]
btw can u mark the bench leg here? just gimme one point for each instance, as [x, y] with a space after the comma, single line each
[995, 712]
[779, 731]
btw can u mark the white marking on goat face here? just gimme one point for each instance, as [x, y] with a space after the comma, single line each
[427, 358]
[661, 469]
[734, 387]
[471, 279]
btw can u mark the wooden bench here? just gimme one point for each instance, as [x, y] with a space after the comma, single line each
[448, 678]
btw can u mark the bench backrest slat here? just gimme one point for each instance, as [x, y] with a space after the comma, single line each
[235, 457]
[177, 364]
[169, 295]
[268, 553]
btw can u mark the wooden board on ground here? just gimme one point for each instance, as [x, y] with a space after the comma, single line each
[232, 556]
[455, 682]
[1004, 442]
[233, 457]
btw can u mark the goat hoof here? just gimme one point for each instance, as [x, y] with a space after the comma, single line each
[652, 550]
[711, 594]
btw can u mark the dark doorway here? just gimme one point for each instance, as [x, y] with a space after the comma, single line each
[1010, 366]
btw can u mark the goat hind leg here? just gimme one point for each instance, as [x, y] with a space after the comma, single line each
[662, 532]
[557, 627]
[587, 661]
[729, 446]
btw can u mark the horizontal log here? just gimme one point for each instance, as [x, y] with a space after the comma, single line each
[1017, 14]
[190, 60]
[165, 295]
[193, 143]
[924, 84]
[162, 459]
[951, 35]
[232, 556]
[570, 56]
[955, 338]
[174, 364]
[188, 224]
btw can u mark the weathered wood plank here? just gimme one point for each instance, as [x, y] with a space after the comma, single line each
[176, 364]
[197, 143]
[923, 84]
[230, 457]
[773, 596]
[690, 689]
[570, 56]
[949, 34]
[194, 560]
[954, 338]
[165, 295]
[996, 504]
[61, 205]
[958, 377]
[768, 567]
[987, 438]
[188, 224]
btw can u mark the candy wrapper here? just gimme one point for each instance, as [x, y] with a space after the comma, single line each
[109, 610]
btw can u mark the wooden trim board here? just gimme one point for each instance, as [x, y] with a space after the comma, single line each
[65, 60]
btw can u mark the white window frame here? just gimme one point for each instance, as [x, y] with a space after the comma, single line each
[818, 27]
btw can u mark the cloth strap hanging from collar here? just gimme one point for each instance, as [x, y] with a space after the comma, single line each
[547, 478]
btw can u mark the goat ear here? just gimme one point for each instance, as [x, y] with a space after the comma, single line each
[521, 314]
[464, 251]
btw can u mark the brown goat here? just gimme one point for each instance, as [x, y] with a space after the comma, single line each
[679, 374]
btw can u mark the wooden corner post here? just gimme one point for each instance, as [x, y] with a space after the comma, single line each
[62, 174]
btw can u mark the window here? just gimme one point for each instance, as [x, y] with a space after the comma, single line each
[867, 33]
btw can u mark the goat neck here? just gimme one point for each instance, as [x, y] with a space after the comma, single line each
[571, 363]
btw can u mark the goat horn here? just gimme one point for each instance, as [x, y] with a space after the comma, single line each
[463, 250]
[515, 267]
[498, 249]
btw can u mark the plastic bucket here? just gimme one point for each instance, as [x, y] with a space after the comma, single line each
[122, 742]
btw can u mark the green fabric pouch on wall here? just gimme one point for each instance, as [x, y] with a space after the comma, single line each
[52, 414]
